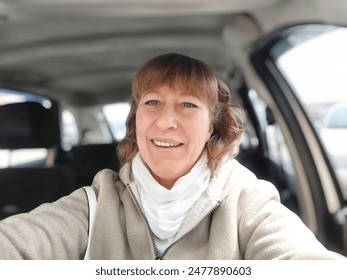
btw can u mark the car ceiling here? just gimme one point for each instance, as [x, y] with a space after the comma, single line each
[85, 52]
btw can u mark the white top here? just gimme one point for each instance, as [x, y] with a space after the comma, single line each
[166, 209]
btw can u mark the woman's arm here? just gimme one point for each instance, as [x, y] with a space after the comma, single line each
[57, 230]
[271, 231]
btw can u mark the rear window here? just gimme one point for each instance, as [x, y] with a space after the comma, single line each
[115, 115]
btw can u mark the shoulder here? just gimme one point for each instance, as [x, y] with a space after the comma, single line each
[107, 181]
[243, 185]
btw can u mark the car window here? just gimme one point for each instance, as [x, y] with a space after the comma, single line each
[115, 116]
[313, 60]
[70, 133]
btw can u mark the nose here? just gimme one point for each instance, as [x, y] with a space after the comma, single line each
[167, 119]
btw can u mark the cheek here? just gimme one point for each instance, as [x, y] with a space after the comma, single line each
[143, 127]
[141, 119]
[202, 129]
[140, 127]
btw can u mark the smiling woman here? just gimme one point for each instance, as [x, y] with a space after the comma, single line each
[170, 133]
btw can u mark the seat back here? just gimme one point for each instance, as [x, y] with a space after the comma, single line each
[23, 189]
[31, 125]
[87, 160]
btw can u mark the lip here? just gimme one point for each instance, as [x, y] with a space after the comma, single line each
[166, 143]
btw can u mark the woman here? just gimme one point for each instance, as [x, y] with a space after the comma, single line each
[179, 194]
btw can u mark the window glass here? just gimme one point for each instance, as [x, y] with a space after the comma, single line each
[11, 96]
[23, 157]
[70, 132]
[115, 115]
[313, 60]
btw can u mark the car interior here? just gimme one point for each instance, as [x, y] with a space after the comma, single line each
[65, 82]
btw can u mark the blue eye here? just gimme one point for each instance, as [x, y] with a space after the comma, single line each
[188, 105]
[152, 102]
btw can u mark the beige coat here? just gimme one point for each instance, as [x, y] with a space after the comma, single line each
[238, 217]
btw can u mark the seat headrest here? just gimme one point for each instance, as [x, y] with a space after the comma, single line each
[28, 125]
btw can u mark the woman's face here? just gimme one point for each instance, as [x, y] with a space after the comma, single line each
[172, 129]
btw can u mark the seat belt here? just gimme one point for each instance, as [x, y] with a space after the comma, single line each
[92, 209]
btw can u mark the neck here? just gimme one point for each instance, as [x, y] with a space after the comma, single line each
[166, 183]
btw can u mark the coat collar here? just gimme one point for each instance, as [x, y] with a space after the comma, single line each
[216, 191]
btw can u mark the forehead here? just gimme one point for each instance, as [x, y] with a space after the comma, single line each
[165, 89]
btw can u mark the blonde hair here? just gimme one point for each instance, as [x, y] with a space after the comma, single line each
[197, 79]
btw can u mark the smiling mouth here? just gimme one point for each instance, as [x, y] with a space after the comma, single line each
[165, 144]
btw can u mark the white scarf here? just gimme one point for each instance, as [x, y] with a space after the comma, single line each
[166, 209]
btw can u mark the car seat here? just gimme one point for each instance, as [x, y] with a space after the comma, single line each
[31, 125]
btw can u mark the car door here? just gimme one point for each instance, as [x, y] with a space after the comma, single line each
[303, 71]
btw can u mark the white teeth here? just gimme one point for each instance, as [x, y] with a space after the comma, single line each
[164, 144]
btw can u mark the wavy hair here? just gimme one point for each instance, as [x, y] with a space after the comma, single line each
[197, 79]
